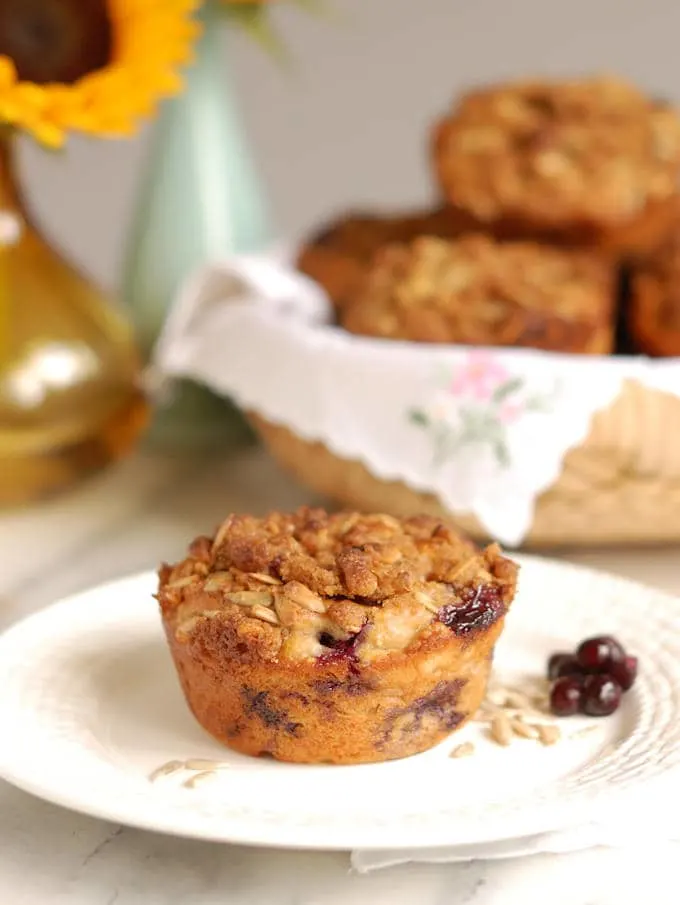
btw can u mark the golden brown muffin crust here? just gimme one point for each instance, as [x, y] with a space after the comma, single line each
[284, 580]
[553, 153]
[338, 638]
[476, 290]
[337, 256]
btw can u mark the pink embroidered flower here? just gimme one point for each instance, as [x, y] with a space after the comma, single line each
[442, 408]
[510, 412]
[481, 375]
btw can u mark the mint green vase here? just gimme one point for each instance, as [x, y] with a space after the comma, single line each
[200, 201]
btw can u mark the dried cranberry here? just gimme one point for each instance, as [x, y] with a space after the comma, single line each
[601, 695]
[562, 664]
[596, 654]
[339, 649]
[479, 608]
[565, 696]
[624, 671]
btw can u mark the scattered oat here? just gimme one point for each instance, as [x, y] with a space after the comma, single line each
[549, 733]
[517, 700]
[265, 614]
[222, 533]
[181, 582]
[217, 580]
[389, 520]
[521, 711]
[251, 598]
[464, 750]
[461, 568]
[501, 731]
[304, 597]
[186, 627]
[496, 698]
[522, 729]
[265, 579]
[423, 598]
[552, 164]
[541, 706]
[199, 779]
[201, 764]
[172, 766]
[586, 730]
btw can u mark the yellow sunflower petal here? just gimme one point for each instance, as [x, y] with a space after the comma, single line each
[48, 134]
[151, 40]
[8, 73]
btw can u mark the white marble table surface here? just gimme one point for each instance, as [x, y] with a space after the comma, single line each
[129, 519]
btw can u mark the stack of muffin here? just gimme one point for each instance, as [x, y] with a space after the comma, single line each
[559, 229]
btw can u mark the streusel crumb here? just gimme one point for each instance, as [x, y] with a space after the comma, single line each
[334, 574]
[341, 638]
[556, 153]
[476, 290]
[337, 256]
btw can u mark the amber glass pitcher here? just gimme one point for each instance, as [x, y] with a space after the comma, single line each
[70, 398]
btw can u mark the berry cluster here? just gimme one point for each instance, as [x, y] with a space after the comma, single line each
[593, 680]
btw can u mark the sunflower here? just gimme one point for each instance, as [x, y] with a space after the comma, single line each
[93, 66]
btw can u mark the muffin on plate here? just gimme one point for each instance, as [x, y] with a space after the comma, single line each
[654, 306]
[592, 161]
[337, 256]
[480, 291]
[339, 638]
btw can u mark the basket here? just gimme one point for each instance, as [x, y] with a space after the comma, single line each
[592, 456]
[621, 486]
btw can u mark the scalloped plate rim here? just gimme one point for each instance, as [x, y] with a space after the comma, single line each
[249, 830]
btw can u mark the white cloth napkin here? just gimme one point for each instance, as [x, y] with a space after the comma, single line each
[485, 430]
[650, 823]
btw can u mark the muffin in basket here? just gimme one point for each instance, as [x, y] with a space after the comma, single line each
[654, 308]
[337, 256]
[477, 290]
[340, 638]
[592, 161]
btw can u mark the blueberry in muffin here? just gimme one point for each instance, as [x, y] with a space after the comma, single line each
[342, 638]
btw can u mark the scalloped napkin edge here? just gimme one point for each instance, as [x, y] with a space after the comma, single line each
[485, 430]
[643, 827]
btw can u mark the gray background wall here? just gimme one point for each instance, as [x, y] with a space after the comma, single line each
[349, 124]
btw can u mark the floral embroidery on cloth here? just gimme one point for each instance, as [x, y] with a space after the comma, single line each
[476, 404]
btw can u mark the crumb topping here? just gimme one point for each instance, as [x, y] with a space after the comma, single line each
[478, 290]
[309, 584]
[337, 256]
[362, 234]
[595, 150]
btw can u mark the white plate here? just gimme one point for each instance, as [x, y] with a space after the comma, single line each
[90, 705]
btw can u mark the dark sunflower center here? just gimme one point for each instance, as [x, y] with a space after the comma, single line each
[55, 40]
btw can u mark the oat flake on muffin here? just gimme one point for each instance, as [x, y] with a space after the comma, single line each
[594, 159]
[480, 291]
[340, 638]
